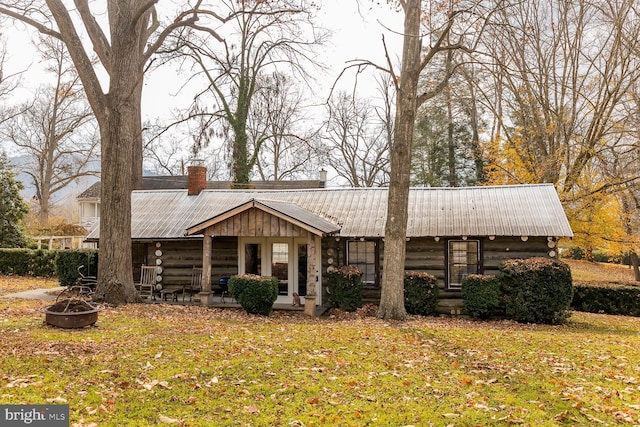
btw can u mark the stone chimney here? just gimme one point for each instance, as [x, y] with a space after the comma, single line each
[197, 177]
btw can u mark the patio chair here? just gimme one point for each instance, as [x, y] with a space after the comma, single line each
[147, 285]
[195, 286]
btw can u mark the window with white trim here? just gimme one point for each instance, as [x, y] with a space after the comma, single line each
[463, 260]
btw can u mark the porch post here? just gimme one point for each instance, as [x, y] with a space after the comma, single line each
[206, 296]
[312, 276]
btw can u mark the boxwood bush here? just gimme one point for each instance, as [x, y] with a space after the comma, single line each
[256, 294]
[420, 293]
[67, 263]
[344, 285]
[623, 300]
[537, 290]
[480, 295]
[27, 262]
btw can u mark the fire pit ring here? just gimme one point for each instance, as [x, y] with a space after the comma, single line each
[71, 314]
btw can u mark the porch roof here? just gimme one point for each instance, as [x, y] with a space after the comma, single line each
[515, 210]
[287, 211]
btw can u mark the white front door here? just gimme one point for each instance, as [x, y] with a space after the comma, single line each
[284, 258]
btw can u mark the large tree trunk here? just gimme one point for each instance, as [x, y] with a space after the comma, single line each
[137, 144]
[392, 297]
[120, 130]
[115, 267]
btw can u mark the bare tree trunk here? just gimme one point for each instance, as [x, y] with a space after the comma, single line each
[115, 267]
[451, 143]
[119, 129]
[634, 264]
[137, 145]
[392, 297]
[43, 203]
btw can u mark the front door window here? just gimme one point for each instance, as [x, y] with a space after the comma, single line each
[253, 258]
[280, 266]
[302, 269]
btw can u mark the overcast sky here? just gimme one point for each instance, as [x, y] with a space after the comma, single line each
[357, 31]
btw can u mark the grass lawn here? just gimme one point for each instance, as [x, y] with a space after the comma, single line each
[598, 272]
[193, 366]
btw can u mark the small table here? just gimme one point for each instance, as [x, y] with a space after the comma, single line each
[172, 292]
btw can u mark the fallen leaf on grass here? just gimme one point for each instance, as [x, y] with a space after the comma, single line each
[168, 420]
[253, 409]
[152, 384]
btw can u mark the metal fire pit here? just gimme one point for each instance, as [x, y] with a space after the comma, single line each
[71, 313]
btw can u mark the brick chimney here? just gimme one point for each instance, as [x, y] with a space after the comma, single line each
[197, 178]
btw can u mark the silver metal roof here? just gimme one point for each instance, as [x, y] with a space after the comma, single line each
[515, 210]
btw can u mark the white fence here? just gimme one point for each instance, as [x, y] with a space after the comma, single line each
[64, 242]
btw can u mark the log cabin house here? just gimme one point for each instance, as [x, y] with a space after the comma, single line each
[298, 235]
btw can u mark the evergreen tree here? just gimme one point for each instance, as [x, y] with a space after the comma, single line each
[13, 209]
[437, 163]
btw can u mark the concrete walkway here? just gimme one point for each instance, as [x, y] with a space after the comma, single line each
[48, 294]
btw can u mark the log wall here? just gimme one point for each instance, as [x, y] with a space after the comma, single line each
[423, 254]
[428, 255]
[178, 257]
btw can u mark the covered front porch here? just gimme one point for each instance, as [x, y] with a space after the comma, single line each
[273, 239]
[226, 302]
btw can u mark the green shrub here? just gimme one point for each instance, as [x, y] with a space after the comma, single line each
[67, 263]
[574, 252]
[14, 261]
[420, 293]
[624, 300]
[344, 286]
[536, 290]
[27, 262]
[256, 294]
[480, 295]
[43, 263]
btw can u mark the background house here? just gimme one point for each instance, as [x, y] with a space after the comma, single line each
[89, 199]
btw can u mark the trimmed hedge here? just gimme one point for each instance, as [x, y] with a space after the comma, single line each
[344, 285]
[28, 262]
[67, 263]
[420, 293]
[481, 295]
[537, 290]
[256, 294]
[623, 300]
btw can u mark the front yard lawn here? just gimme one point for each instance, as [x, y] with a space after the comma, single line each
[193, 366]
